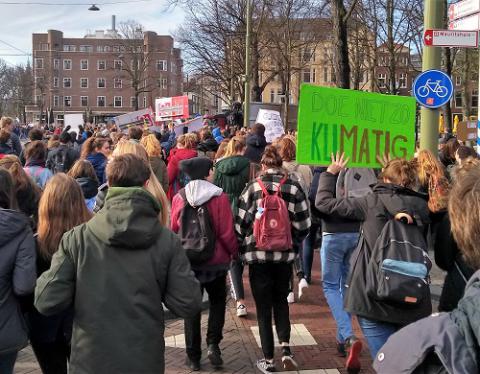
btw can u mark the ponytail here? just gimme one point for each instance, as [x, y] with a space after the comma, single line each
[91, 145]
[235, 146]
[271, 158]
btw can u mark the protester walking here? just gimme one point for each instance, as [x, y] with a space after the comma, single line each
[17, 273]
[121, 254]
[392, 196]
[232, 174]
[84, 174]
[61, 208]
[185, 150]
[271, 223]
[35, 155]
[13, 142]
[154, 151]
[202, 216]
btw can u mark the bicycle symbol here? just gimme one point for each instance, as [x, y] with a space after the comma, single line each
[434, 87]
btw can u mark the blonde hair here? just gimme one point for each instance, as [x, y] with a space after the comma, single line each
[190, 141]
[151, 145]
[61, 208]
[235, 146]
[287, 148]
[5, 121]
[154, 186]
[428, 166]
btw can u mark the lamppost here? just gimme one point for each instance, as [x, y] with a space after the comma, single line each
[246, 114]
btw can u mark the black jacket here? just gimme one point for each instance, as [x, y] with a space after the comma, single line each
[70, 158]
[449, 258]
[208, 145]
[373, 214]
[89, 187]
[255, 146]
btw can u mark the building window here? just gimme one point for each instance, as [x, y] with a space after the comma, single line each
[117, 102]
[101, 83]
[56, 101]
[272, 95]
[458, 99]
[67, 64]
[173, 66]
[116, 48]
[67, 82]
[117, 83]
[67, 101]
[69, 48]
[458, 80]
[118, 64]
[85, 48]
[314, 75]
[132, 102]
[306, 76]
[39, 63]
[44, 46]
[106, 48]
[83, 82]
[84, 64]
[308, 55]
[474, 98]
[162, 65]
[403, 80]
[164, 83]
[56, 64]
[325, 74]
[55, 82]
[60, 118]
[101, 65]
[101, 101]
[144, 102]
[382, 78]
[83, 100]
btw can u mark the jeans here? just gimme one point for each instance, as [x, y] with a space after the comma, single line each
[269, 283]
[217, 295]
[308, 250]
[236, 280]
[376, 333]
[7, 362]
[335, 256]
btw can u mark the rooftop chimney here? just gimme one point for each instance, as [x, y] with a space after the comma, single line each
[113, 23]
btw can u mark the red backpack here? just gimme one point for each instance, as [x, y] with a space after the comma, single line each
[272, 228]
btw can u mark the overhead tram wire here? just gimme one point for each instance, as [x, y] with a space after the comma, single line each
[17, 49]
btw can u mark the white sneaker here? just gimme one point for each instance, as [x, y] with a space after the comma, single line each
[301, 285]
[241, 310]
[291, 298]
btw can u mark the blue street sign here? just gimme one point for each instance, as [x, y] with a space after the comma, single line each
[432, 88]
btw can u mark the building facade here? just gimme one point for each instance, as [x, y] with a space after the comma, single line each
[102, 74]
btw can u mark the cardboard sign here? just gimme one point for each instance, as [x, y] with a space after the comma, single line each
[273, 124]
[170, 108]
[363, 125]
[467, 130]
[133, 118]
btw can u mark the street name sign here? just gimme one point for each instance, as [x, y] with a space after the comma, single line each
[463, 8]
[432, 88]
[468, 23]
[451, 38]
[364, 125]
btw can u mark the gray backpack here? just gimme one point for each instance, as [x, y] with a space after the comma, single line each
[355, 182]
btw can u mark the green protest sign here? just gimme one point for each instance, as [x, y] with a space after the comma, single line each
[361, 124]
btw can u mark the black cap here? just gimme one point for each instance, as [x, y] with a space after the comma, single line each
[197, 167]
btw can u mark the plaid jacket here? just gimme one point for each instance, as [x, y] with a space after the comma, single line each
[250, 199]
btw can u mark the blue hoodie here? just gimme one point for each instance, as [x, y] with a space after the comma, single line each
[217, 134]
[99, 162]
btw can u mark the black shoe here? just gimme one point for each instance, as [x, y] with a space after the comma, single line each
[288, 362]
[265, 366]
[354, 347]
[214, 355]
[342, 352]
[193, 365]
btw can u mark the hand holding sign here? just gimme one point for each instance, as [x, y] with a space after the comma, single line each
[338, 163]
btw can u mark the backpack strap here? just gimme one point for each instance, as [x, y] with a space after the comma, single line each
[278, 192]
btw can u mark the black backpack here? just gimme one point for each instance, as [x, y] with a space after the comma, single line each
[59, 161]
[399, 266]
[196, 232]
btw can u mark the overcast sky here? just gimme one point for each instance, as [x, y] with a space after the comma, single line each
[20, 21]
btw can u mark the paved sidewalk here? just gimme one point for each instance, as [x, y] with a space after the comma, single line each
[313, 339]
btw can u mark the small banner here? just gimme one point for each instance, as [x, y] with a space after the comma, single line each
[364, 125]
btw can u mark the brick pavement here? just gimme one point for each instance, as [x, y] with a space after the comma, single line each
[239, 347]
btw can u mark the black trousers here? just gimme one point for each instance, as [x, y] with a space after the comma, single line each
[270, 284]
[52, 357]
[217, 294]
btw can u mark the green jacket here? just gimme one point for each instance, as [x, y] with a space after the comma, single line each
[232, 174]
[117, 269]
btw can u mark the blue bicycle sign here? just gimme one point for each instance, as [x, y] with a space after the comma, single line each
[433, 88]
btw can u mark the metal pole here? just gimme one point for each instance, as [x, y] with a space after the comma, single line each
[478, 109]
[433, 19]
[246, 110]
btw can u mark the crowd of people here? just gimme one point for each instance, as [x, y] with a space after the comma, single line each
[100, 228]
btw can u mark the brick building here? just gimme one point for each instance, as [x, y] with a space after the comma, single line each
[96, 74]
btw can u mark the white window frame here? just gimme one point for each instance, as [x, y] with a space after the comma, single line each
[104, 82]
[67, 79]
[115, 80]
[81, 101]
[132, 101]
[382, 80]
[115, 102]
[81, 64]
[117, 62]
[65, 61]
[85, 48]
[104, 62]
[402, 81]
[144, 102]
[56, 82]
[164, 64]
[81, 82]
[69, 48]
[104, 102]
[37, 61]
[458, 80]
[56, 64]
[56, 101]
[69, 99]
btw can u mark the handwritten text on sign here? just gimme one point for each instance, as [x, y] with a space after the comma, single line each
[361, 124]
